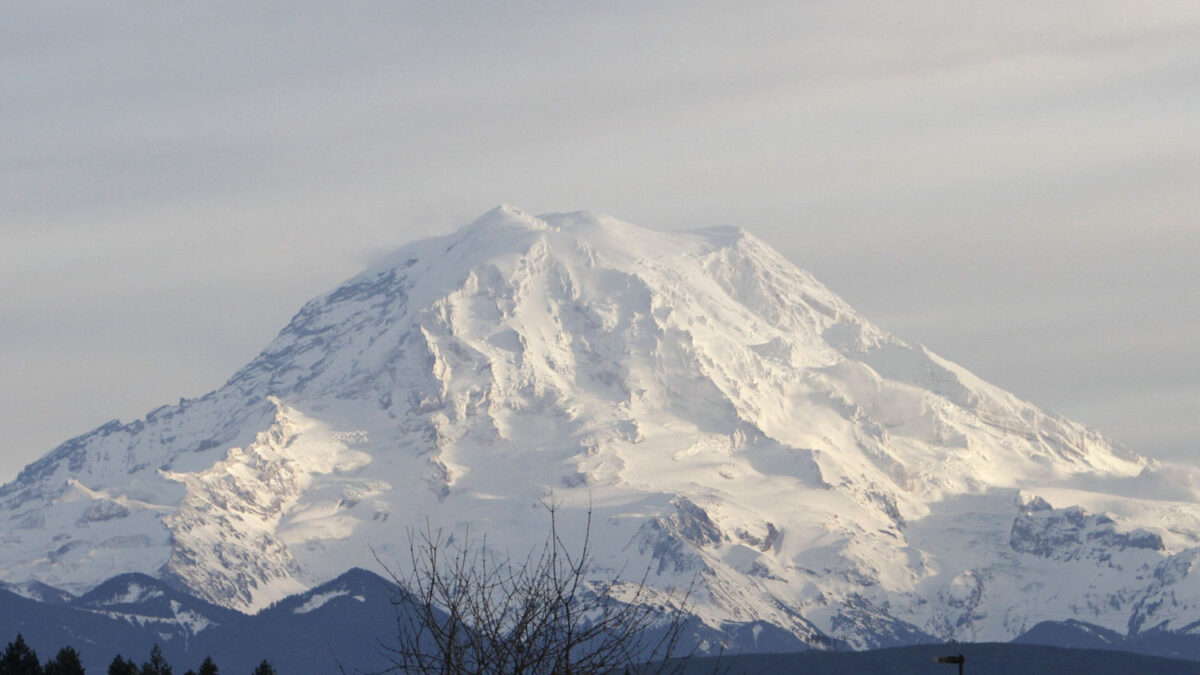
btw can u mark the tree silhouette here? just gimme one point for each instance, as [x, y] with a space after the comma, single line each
[19, 659]
[208, 667]
[157, 665]
[65, 662]
[264, 668]
[122, 666]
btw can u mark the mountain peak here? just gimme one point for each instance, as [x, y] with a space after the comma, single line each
[504, 216]
[723, 416]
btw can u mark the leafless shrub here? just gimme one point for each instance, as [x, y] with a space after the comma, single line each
[467, 609]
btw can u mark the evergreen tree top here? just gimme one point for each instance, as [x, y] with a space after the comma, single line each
[19, 659]
[122, 666]
[208, 667]
[157, 665]
[65, 662]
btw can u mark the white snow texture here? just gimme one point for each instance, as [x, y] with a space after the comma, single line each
[729, 421]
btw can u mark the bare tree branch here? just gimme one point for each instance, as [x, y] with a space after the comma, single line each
[466, 609]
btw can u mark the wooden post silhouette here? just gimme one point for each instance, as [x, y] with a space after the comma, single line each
[959, 659]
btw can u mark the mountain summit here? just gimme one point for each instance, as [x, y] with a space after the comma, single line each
[728, 421]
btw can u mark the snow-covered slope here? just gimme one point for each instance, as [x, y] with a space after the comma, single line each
[728, 420]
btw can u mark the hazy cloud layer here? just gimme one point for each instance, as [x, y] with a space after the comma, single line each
[1012, 184]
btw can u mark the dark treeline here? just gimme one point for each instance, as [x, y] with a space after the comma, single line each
[20, 659]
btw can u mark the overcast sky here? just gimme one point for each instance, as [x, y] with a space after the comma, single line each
[1014, 184]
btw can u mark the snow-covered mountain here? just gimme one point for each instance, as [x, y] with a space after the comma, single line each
[728, 421]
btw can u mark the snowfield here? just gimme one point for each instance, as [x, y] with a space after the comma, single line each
[730, 423]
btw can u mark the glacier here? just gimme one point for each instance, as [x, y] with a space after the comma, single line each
[729, 423]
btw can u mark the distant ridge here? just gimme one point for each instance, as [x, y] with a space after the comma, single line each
[350, 622]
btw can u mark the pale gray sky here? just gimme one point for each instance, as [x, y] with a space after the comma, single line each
[1013, 184]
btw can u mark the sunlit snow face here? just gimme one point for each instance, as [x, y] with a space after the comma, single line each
[689, 403]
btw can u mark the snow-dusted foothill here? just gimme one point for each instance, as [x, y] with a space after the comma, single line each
[731, 424]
